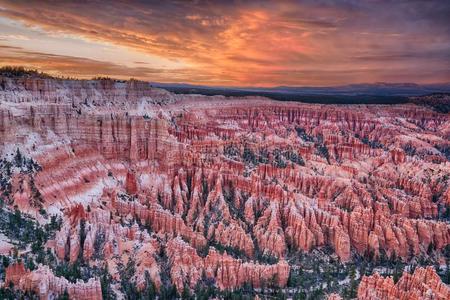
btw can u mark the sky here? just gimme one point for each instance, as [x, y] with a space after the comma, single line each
[232, 43]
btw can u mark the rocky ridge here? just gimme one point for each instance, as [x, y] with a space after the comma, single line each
[424, 283]
[224, 184]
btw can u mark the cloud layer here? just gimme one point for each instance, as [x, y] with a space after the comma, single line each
[238, 43]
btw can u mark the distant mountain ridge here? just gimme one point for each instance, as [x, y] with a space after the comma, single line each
[361, 89]
[378, 93]
[373, 89]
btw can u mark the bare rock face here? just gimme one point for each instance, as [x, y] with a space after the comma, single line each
[14, 272]
[214, 187]
[229, 273]
[424, 283]
[334, 297]
[131, 184]
[46, 285]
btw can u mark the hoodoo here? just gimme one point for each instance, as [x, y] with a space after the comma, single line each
[133, 189]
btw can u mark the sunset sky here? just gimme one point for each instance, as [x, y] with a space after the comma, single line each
[232, 43]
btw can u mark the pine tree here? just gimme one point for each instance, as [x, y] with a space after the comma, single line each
[300, 295]
[353, 283]
[82, 238]
[64, 296]
[398, 271]
[186, 294]
[150, 290]
[105, 281]
[18, 158]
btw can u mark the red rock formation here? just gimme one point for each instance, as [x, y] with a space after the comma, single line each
[14, 272]
[187, 268]
[334, 297]
[369, 180]
[424, 283]
[46, 285]
[131, 184]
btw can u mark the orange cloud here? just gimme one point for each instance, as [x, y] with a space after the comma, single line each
[258, 43]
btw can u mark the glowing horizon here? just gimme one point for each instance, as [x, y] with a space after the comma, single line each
[256, 43]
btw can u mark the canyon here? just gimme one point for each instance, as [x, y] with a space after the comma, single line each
[193, 192]
[422, 284]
